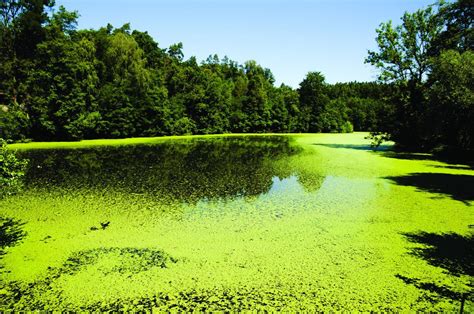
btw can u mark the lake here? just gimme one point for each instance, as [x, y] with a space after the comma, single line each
[287, 222]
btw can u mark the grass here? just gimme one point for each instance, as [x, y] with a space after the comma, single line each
[336, 231]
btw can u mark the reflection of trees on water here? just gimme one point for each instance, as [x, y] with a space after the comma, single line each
[184, 169]
[310, 181]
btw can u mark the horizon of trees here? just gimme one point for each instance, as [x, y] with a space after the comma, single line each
[61, 83]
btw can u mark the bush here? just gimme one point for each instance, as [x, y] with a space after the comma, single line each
[12, 171]
[15, 123]
[184, 126]
[347, 127]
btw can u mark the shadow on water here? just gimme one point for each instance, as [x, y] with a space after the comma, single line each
[367, 147]
[460, 167]
[460, 162]
[459, 187]
[389, 151]
[43, 294]
[185, 170]
[132, 260]
[442, 291]
[450, 251]
[128, 261]
[11, 233]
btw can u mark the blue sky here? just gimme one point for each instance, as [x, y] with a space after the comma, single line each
[291, 37]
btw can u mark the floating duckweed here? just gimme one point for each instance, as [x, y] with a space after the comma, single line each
[290, 223]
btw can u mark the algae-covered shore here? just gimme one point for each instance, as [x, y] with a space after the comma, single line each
[288, 222]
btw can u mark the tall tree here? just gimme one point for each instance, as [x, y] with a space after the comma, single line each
[62, 100]
[21, 29]
[313, 101]
[403, 58]
[403, 50]
[452, 100]
[256, 105]
[126, 83]
[458, 31]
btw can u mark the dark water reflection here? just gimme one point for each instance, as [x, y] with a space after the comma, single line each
[186, 170]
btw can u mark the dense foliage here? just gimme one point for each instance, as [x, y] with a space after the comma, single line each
[60, 83]
[429, 61]
[12, 171]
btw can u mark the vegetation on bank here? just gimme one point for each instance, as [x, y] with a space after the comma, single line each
[60, 83]
[428, 59]
[12, 170]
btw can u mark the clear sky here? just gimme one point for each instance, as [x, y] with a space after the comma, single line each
[291, 37]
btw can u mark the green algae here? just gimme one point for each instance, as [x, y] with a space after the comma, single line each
[303, 222]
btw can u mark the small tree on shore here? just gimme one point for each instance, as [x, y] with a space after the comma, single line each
[12, 171]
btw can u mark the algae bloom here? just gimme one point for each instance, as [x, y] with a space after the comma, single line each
[287, 222]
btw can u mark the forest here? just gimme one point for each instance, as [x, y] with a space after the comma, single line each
[61, 83]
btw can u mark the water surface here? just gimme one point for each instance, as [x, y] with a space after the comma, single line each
[305, 222]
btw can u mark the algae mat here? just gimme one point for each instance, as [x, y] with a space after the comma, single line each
[293, 222]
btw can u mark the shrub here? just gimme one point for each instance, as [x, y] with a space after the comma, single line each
[12, 171]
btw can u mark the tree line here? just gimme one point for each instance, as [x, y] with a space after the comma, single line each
[61, 83]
